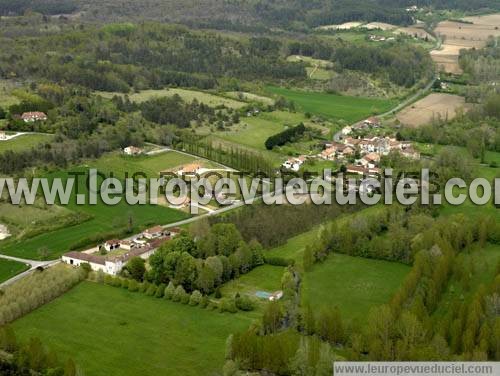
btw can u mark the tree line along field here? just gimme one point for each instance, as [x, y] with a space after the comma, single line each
[480, 265]
[154, 336]
[335, 107]
[100, 220]
[9, 269]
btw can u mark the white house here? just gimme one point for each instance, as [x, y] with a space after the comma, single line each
[132, 150]
[346, 130]
[97, 263]
[294, 163]
[114, 264]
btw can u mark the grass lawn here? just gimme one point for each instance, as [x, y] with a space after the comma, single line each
[483, 264]
[9, 269]
[107, 220]
[254, 131]
[188, 95]
[120, 164]
[334, 107]
[262, 278]
[24, 142]
[353, 284]
[110, 331]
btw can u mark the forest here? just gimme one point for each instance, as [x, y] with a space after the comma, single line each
[253, 15]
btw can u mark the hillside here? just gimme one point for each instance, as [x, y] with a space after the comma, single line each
[242, 15]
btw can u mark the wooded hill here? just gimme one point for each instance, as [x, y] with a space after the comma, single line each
[242, 15]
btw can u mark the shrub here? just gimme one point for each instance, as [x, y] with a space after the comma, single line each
[227, 305]
[218, 293]
[178, 294]
[244, 303]
[195, 298]
[133, 286]
[108, 280]
[169, 291]
[160, 291]
[124, 283]
[279, 261]
[143, 287]
[86, 268]
[185, 298]
[100, 276]
[151, 290]
[204, 301]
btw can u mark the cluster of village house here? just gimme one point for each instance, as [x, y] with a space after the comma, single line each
[370, 150]
[119, 252]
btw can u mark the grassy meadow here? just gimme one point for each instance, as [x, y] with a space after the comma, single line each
[353, 284]
[254, 131]
[24, 142]
[99, 220]
[334, 107]
[263, 278]
[9, 269]
[155, 337]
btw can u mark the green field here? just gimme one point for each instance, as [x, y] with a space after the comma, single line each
[120, 164]
[9, 269]
[24, 142]
[353, 284]
[334, 107]
[110, 331]
[188, 95]
[104, 219]
[254, 131]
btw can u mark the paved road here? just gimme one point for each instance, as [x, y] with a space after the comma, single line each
[33, 264]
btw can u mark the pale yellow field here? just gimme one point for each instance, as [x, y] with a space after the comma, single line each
[458, 35]
[344, 26]
[414, 31]
[188, 95]
[379, 25]
[250, 97]
[434, 106]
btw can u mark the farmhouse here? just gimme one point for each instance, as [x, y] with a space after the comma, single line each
[372, 122]
[30, 117]
[294, 163]
[112, 264]
[111, 245]
[192, 168]
[132, 150]
[337, 150]
[360, 170]
[153, 232]
[3, 135]
[370, 160]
